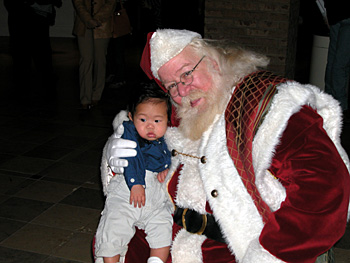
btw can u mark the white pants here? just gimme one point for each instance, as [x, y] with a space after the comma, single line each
[119, 218]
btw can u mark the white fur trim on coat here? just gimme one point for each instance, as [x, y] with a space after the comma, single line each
[189, 253]
[256, 253]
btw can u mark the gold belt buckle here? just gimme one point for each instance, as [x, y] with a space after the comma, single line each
[204, 222]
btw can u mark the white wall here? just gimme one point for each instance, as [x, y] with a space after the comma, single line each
[62, 28]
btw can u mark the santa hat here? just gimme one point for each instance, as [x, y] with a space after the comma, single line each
[164, 44]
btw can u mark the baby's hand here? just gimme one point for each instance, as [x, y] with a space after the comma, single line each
[137, 195]
[161, 176]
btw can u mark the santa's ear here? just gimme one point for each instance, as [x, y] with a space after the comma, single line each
[214, 64]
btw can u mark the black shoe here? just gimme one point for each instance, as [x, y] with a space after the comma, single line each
[85, 107]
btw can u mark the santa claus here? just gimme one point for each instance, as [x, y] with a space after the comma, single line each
[258, 173]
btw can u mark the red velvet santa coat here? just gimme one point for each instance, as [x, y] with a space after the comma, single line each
[301, 173]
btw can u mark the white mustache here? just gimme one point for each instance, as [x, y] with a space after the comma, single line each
[194, 95]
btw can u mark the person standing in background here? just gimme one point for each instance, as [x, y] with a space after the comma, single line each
[116, 62]
[93, 28]
[338, 64]
[29, 24]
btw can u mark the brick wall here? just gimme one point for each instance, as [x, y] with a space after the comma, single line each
[266, 26]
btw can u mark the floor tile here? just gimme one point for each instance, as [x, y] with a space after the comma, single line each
[8, 227]
[90, 157]
[9, 255]
[5, 157]
[68, 141]
[38, 239]
[22, 209]
[48, 152]
[46, 191]
[70, 172]
[41, 112]
[34, 137]
[21, 123]
[93, 224]
[9, 133]
[69, 217]
[9, 182]
[70, 115]
[14, 147]
[52, 259]
[101, 118]
[79, 247]
[14, 173]
[94, 183]
[99, 145]
[5, 120]
[52, 127]
[28, 165]
[84, 197]
[87, 131]
[3, 198]
[19, 187]
[62, 181]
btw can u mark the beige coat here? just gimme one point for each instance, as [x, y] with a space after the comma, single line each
[103, 10]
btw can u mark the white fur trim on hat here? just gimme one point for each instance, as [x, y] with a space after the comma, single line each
[166, 44]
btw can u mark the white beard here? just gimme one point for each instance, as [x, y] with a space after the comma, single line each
[196, 120]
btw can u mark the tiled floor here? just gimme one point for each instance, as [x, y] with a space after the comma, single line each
[50, 193]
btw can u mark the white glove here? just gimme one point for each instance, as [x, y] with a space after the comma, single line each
[117, 148]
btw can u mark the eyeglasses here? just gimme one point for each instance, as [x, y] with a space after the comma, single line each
[186, 79]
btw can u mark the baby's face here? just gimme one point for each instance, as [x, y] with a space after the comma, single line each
[151, 120]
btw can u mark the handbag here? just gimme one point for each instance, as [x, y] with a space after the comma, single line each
[121, 22]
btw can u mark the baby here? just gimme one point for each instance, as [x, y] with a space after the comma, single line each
[137, 198]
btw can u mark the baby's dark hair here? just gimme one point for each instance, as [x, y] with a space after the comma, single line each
[145, 92]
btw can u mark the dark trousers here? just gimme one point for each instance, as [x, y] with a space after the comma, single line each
[30, 43]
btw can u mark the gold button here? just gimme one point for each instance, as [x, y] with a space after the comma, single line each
[214, 193]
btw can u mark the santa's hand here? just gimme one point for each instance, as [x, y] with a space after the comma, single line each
[118, 148]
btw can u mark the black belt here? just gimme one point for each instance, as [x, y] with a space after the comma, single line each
[199, 224]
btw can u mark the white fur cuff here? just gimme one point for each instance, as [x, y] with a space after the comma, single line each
[256, 253]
